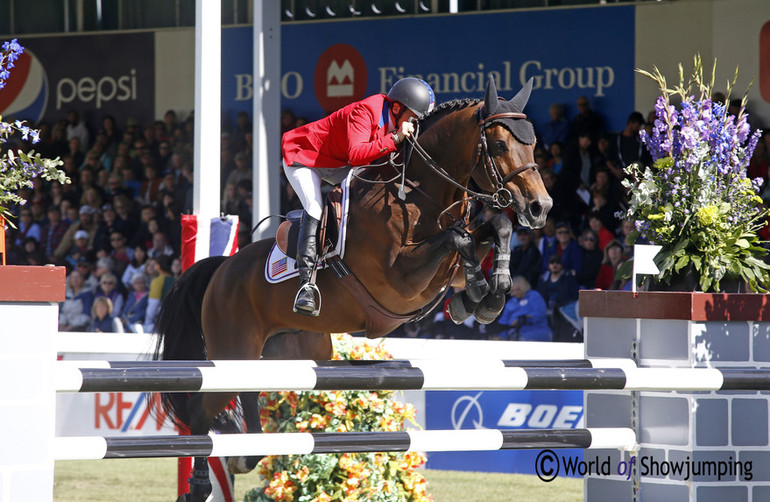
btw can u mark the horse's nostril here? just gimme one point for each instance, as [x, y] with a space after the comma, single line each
[535, 208]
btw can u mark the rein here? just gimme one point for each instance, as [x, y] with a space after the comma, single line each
[502, 196]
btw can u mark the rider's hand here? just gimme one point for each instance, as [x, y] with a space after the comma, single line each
[406, 129]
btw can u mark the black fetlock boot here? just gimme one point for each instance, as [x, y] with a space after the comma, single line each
[307, 249]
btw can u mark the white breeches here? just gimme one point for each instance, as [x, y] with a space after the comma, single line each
[306, 182]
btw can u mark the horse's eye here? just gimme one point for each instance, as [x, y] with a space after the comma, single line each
[498, 148]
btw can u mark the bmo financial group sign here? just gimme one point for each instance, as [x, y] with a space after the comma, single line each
[325, 66]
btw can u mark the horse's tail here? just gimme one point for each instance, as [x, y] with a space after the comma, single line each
[179, 330]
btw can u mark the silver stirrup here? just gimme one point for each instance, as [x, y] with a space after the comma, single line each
[316, 293]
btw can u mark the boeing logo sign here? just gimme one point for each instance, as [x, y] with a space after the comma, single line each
[468, 407]
[467, 412]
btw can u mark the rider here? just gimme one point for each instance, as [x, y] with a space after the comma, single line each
[355, 135]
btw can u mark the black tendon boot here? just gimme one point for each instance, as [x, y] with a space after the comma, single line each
[307, 246]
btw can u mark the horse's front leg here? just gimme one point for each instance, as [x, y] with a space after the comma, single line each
[464, 304]
[498, 229]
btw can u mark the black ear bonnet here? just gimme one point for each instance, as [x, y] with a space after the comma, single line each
[521, 128]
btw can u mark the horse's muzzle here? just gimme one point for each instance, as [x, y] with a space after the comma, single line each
[535, 212]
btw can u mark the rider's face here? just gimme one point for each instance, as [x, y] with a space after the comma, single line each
[406, 116]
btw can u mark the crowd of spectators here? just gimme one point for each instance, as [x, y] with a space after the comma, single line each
[116, 226]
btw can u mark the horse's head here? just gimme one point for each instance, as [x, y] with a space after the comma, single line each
[507, 165]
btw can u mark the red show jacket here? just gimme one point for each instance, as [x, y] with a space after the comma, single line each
[355, 135]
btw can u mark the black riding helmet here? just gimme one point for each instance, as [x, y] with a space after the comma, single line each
[414, 94]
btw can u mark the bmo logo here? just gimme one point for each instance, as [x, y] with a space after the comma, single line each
[340, 77]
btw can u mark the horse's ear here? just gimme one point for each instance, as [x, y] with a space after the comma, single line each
[519, 101]
[490, 98]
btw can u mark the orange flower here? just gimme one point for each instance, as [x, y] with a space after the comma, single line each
[323, 497]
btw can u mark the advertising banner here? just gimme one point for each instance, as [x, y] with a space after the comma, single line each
[543, 409]
[96, 75]
[110, 413]
[327, 65]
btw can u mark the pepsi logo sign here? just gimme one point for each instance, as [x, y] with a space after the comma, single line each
[340, 77]
[25, 94]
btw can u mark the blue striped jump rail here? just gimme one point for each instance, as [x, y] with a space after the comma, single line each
[271, 375]
[303, 443]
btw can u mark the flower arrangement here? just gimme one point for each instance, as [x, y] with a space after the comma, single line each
[17, 169]
[696, 200]
[381, 477]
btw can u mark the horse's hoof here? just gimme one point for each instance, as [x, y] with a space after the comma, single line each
[238, 465]
[490, 308]
[458, 311]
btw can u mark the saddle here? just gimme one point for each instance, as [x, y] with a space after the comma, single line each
[288, 232]
[379, 320]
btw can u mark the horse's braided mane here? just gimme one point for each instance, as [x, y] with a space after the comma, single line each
[445, 109]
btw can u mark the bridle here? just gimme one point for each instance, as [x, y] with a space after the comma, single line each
[501, 197]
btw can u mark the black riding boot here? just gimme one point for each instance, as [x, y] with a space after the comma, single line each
[307, 248]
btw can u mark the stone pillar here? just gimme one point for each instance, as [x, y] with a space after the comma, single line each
[702, 430]
[28, 325]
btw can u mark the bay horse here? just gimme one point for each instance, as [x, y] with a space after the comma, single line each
[402, 254]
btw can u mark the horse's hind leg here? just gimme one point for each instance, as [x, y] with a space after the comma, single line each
[288, 345]
[202, 409]
[250, 406]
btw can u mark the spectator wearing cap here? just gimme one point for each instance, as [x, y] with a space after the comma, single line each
[242, 169]
[86, 268]
[566, 248]
[85, 222]
[525, 257]
[53, 233]
[79, 249]
[109, 224]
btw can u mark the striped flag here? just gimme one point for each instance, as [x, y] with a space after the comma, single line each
[278, 267]
[204, 237]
